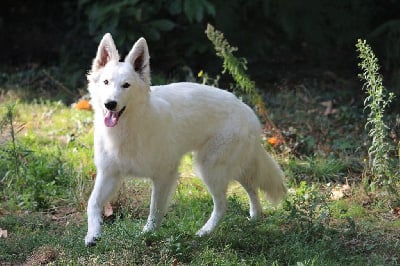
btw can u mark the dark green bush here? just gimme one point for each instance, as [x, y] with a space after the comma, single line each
[268, 32]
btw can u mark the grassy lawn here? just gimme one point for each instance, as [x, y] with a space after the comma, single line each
[328, 218]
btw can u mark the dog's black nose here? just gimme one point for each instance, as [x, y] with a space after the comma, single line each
[111, 105]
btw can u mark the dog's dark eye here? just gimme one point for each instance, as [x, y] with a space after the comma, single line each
[126, 85]
[106, 81]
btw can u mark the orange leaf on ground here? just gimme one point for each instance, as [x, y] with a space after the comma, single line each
[83, 105]
[275, 141]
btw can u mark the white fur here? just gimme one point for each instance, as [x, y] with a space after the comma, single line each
[162, 123]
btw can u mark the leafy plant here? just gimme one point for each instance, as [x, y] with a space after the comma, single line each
[29, 180]
[206, 79]
[132, 19]
[11, 152]
[310, 209]
[237, 68]
[317, 169]
[376, 102]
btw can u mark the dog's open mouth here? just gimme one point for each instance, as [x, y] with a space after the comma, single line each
[111, 117]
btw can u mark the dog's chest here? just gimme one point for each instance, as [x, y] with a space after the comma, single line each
[128, 156]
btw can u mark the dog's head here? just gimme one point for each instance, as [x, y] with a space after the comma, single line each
[115, 86]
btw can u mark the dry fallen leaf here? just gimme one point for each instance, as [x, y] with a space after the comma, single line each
[329, 108]
[396, 211]
[108, 210]
[340, 192]
[3, 233]
[92, 175]
[175, 262]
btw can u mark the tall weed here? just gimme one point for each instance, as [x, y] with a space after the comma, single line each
[237, 68]
[10, 150]
[376, 102]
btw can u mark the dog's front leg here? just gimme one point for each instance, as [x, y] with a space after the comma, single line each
[104, 188]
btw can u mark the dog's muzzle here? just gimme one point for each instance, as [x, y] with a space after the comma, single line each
[112, 116]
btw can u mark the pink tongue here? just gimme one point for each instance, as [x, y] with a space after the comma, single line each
[111, 118]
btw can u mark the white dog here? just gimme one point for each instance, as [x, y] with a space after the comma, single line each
[144, 131]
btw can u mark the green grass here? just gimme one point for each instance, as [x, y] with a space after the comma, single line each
[52, 151]
[308, 228]
[238, 241]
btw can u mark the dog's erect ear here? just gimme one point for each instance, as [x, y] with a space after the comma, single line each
[140, 59]
[105, 53]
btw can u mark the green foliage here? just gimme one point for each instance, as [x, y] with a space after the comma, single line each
[130, 20]
[310, 209]
[237, 67]
[323, 23]
[11, 153]
[266, 31]
[317, 169]
[376, 102]
[206, 79]
[33, 177]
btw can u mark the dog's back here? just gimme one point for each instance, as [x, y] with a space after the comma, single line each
[199, 112]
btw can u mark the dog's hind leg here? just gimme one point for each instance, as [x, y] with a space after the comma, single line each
[217, 187]
[104, 189]
[218, 193]
[217, 163]
[252, 192]
[161, 194]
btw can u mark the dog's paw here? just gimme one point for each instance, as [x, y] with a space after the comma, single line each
[207, 229]
[147, 231]
[149, 227]
[202, 232]
[91, 241]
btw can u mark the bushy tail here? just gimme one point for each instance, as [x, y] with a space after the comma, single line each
[270, 176]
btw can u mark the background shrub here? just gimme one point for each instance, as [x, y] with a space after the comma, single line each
[270, 33]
